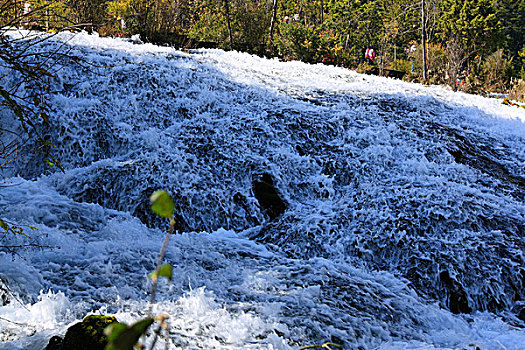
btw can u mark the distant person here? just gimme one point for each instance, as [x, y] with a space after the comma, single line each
[370, 55]
[460, 84]
[26, 21]
[412, 57]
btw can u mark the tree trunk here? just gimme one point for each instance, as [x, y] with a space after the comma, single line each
[395, 56]
[349, 24]
[227, 8]
[47, 19]
[322, 11]
[272, 23]
[381, 57]
[424, 40]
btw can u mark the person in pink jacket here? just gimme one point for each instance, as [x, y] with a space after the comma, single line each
[370, 55]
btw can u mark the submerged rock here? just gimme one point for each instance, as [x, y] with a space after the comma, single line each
[268, 196]
[85, 335]
[456, 295]
[521, 314]
[4, 293]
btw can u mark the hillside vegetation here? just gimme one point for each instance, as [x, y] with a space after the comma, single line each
[473, 45]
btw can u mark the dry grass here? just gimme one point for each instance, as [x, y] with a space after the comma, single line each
[517, 92]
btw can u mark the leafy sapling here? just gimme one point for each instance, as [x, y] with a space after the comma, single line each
[162, 205]
[120, 335]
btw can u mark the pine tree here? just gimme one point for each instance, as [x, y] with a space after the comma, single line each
[473, 22]
[511, 13]
[469, 28]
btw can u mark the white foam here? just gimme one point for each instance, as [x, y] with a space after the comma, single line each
[205, 124]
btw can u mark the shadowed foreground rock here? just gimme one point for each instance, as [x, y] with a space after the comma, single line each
[85, 335]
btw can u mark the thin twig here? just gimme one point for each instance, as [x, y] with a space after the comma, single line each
[27, 246]
[13, 322]
[166, 345]
[12, 295]
[157, 268]
[157, 333]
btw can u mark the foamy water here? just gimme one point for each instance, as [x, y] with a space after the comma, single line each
[390, 187]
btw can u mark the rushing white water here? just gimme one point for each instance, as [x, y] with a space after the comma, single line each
[401, 204]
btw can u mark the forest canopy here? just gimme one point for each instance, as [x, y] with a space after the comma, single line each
[476, 45]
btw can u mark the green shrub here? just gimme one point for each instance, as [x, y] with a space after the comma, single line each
[496, 72]
[309, 44]
[437, 58]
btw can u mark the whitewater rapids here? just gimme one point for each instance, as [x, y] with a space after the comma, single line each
[403, 206]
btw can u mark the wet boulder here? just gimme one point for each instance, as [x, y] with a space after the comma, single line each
[85, 335]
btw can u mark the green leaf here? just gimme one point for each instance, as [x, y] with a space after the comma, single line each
[164, 271]
[114, 330]
[5, 94]
[162, 204]
[142, 325]
[3, 225]
[122, 337]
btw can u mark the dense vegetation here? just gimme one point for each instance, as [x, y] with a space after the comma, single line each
[475, 45]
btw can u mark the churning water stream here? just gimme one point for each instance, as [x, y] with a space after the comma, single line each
[313, 204]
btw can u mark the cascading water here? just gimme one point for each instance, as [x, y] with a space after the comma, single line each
[315, 204]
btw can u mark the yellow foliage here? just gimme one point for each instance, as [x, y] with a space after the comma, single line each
[119, 8]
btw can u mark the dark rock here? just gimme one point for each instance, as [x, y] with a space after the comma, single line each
[55, 343]
[4, 293]
[457, 297]
[85, 335]
[521, 314]
[268, 197]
